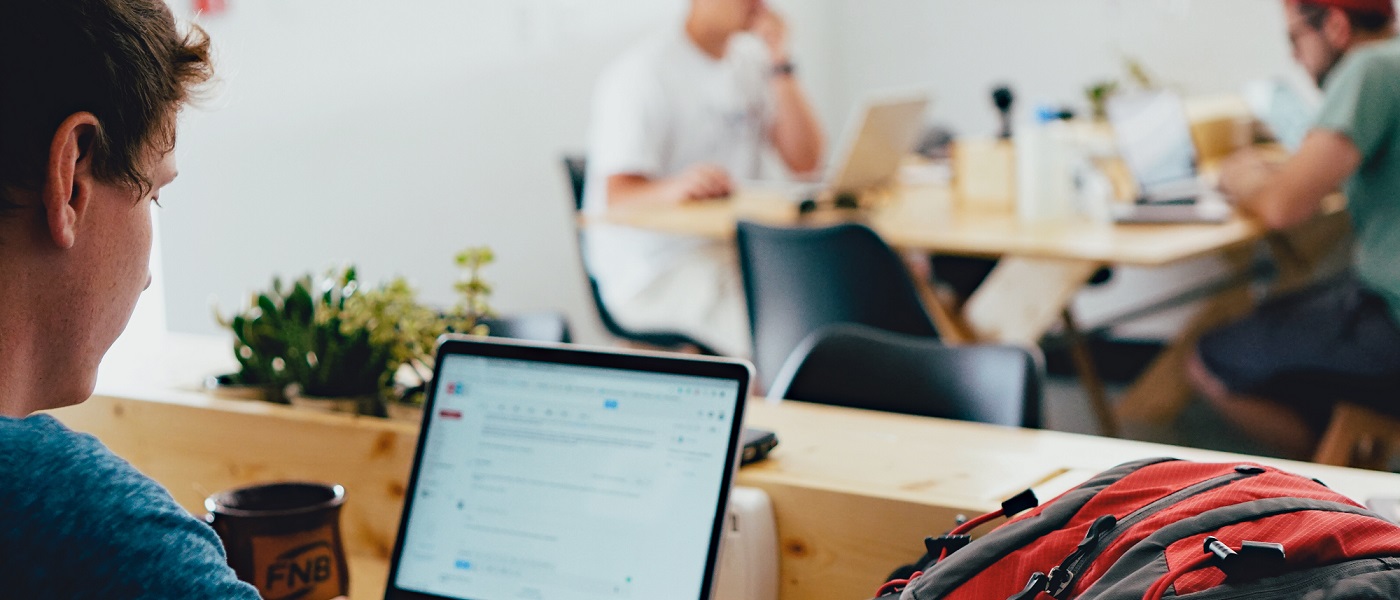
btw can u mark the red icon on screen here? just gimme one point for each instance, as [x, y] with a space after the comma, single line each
[450, 414]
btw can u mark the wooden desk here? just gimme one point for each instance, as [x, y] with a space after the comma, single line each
[854, 492]
[1043, 264]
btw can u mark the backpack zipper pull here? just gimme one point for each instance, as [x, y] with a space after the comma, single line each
[1063, 576]
[1034, 587]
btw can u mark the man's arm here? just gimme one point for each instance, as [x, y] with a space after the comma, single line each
[796, 133]
[1284, 196]
[699, 182]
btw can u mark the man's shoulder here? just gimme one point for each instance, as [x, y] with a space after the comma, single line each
[42, 434]
[69, 501]
[55, 459]
[1381, 59]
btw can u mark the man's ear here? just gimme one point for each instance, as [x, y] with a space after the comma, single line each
[68, 180]
[1337, 28]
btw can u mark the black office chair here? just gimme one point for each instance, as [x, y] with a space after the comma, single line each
[535, 327]
[577, 169]
[863, 367]
[801, 280]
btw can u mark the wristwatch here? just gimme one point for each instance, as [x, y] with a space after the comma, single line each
[784, 69]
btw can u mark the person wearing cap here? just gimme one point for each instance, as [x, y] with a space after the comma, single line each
[1277, 372]
[680, 118]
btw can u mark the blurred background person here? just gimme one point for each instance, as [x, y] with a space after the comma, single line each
[1277, 372]
[682, 117]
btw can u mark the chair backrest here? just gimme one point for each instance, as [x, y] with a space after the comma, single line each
[535, 327]
[577, 168]
[800, 280]
[862, 367]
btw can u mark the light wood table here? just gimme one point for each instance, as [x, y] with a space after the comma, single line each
[1043, 264]
[854, 492]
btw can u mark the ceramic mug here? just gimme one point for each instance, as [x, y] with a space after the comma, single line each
[284, 538]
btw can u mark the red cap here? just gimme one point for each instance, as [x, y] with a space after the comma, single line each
[1379, 7]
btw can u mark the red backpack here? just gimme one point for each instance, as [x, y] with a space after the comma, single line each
[1164, 528]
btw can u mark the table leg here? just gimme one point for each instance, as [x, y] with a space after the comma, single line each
[1023, 298]
[1163, 391]
[1089, 376]
[952, 329]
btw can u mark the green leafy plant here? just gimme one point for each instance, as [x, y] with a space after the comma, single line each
[344, 350]
[473, 292]
[259, 343]
[337, 338]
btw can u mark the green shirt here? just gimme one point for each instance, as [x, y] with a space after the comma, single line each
[1362, 101]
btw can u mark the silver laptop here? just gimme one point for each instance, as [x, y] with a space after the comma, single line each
[555, 472]
[1154, 140]
[879, 135]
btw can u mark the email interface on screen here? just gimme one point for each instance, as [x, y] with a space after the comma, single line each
[560, 482]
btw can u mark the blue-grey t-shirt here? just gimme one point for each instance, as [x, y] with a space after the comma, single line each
[77, 522]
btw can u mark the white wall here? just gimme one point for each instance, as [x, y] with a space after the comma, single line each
[391, 134]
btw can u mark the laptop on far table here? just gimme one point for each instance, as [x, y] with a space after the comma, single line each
[555, 472]
[1154, 140]
[880, 134]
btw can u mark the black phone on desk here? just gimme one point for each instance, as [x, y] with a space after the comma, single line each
[757, 443]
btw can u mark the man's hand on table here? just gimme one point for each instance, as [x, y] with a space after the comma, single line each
[1245, 174]
[1284, 195]
[700, 182]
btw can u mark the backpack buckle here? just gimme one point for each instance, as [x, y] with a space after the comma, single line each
[1253, 561]
[1058, 581]
[946, 545]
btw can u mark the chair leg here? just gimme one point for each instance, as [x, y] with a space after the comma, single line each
[1357, 437]
[1089, 376]
[947, 317]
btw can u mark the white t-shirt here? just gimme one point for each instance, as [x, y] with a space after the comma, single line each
[661, 108]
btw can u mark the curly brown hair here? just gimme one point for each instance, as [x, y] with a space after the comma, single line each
[124, 61]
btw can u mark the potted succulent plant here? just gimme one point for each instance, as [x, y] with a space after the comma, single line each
[260, 347]
[338, 360]
[336, 345]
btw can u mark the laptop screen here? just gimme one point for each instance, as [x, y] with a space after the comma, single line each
[547, 480]
[1154, 138]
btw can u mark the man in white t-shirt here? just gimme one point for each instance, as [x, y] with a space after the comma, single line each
[680, 118]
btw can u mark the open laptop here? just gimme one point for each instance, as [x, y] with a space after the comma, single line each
[880, 134]
[1154, 140]
[558, 473]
